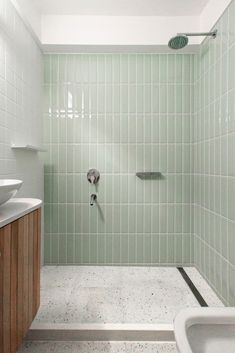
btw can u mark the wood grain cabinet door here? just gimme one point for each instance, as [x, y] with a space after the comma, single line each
[19, 279]
[5, 289]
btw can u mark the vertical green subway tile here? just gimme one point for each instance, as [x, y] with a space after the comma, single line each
[70, 214]
[93, 243]
[139, 248]
[110, 245]
[70, 248]
[102, 243]
[147, 248]
[62, 218]
[85, 248]
[231, 11]
[163, 248]
[232, 285]
[78, 258]
[131, 243]
[116, 256]
[47, 248]
[55, 249]
[155, 251]
[62, 249]
[124, 241]
[119, 113]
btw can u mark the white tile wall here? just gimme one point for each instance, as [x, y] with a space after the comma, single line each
[20, 102]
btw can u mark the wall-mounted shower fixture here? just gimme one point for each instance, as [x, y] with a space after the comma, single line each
[93, 176]
[93, 199]
[149, 175]
[181, 39]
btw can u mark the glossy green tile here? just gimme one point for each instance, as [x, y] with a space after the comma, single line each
[62, 218]
[231, 11]
[147, 249]
[55, 249]
[214, 184]
[47, 249]
[62, 256]
[86, 248]
[116, 255]
[126, 243]
[231, 82]
[70, 248]
[70, 214]
[93, 241]
[170, 249]
[109, 246]
[78, 249]
[101, 247]
[108, 108]
[139, 249]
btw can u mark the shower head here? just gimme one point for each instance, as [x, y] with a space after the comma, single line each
[181, 40]
[178, 42]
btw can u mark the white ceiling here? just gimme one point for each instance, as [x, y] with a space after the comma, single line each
[122, 7]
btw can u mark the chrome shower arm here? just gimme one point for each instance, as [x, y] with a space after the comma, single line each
[199, 34]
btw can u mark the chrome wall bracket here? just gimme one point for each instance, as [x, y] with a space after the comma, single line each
[149, 175]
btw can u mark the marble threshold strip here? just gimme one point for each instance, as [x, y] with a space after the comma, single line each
[101, 332]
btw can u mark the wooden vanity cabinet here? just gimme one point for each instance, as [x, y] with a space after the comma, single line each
[19, 279]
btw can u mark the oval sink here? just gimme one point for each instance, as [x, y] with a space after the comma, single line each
[205, 330]
[8, 189]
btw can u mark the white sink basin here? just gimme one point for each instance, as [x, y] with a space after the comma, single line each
[8, 189]
[205, 330]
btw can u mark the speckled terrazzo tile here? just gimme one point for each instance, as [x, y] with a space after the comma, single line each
[60, 277]
[53, 304]
[57, 283]
[151, 305]
[92, 294]
[100, 305]
[150, 347]
[157, 301]
[98, 347]
[150, 276]
[37, 347]
[51, 313]
[206, 291]
[99, 276]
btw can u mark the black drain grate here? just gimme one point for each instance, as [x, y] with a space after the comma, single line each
[194, 290]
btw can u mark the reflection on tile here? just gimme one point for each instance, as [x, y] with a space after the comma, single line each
[121, 114]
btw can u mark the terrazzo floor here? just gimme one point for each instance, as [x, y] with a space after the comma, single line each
[143, 295]
[98, 347]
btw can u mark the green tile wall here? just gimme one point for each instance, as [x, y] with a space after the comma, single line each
[214, 152]
[120, 114]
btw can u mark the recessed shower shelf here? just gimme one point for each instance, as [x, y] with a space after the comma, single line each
[28, 148]
[149, 175]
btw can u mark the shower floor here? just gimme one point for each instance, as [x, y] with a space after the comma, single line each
[143, 295]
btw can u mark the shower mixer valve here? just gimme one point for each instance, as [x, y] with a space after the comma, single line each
[93, 176]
